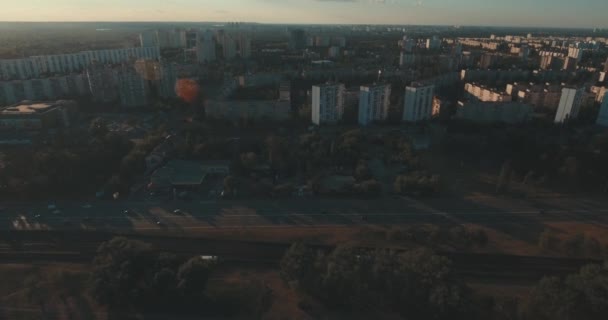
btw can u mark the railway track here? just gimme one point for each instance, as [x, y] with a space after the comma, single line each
[80, 247]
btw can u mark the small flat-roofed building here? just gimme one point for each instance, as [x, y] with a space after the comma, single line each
[27, 115]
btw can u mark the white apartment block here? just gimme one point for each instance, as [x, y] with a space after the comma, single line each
[485, 94]
[13, 69]
[205, 47]
[433, 43]
[148, 39]
[69, 86]
[174, 38]
[37, 66]
[133, 89]
[228, 47]
[327, 103]
[418, 102]
[374, 102]
[576, 53]
[569, 104]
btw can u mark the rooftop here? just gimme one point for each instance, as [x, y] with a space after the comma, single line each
[25, 108]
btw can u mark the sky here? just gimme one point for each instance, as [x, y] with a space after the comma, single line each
[530, 13]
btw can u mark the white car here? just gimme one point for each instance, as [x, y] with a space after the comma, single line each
[177, 211]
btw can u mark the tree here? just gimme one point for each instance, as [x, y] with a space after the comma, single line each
[417, 182]
[369, 188]
[230, 185]
[193, 275]
[117, 271]
[579, 296]
[362, 172]
[98, 128]
[416, 283]
[298, 265]
[249, 160]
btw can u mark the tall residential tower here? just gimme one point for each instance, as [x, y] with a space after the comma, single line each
[327, 103]
[374, 103]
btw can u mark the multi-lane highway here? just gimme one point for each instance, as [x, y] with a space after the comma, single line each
[201, 215]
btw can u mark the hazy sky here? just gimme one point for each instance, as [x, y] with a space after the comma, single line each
[560, 13]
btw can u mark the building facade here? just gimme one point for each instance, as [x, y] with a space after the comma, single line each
[327, 103]
[418, 102]
[205, 47]
[32, 116]
[569, 104]
[374, 101]
[602, 118]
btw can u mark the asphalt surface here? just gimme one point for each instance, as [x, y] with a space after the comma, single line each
[195, 216]
[201, 215]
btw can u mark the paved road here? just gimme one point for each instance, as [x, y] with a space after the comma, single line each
[201, 215]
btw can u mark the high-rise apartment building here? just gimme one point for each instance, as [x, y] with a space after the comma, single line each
[602, 118]
[418, 102]
[327, 103]
[13, 69]
[243, 45]
[576, 53]
[133, 89]
[570, 64]
[102, 84]
[229, 49]
[173, 38]
[148, 39]
[205, 47]
[297, 39]
[434, 43]
[569, 104]
[488, 60]
[374, 102]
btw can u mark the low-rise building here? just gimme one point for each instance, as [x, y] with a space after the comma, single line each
[31, 116]
[486, 94]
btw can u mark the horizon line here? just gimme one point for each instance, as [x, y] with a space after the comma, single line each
[307, 23]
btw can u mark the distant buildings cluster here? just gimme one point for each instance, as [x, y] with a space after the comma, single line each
[328, 103]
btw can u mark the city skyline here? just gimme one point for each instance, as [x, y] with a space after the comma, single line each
[559, 13]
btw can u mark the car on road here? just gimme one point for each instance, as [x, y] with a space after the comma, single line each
[159, 223]
[178, 212]
[37, 216]
[127, 211]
